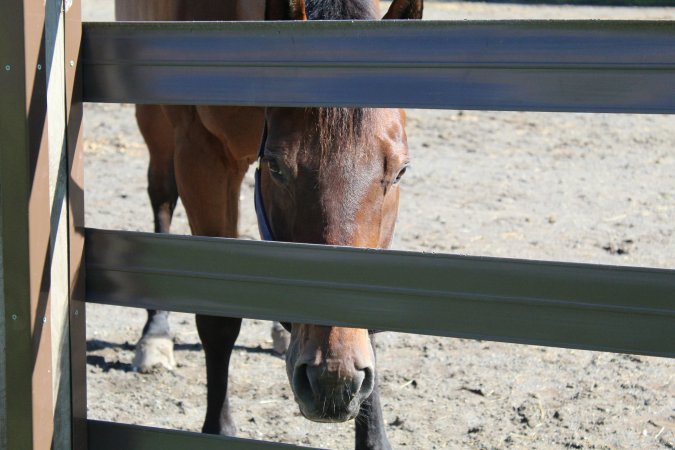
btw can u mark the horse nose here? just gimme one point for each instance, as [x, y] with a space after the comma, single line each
[324, 384]
[332, 395]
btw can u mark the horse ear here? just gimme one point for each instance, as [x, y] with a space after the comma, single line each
[285, 10]
[405, 9]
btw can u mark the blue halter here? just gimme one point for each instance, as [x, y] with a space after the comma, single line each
[263, 225]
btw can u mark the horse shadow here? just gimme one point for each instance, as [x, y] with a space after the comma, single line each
[104, 365]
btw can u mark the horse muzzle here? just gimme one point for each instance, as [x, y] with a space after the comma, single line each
[325, 396]
[331, 371]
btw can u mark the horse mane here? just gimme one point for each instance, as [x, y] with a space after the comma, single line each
[341, 9]
[340, 125]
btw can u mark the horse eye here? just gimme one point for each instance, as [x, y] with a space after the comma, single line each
[274, 168]
[400, 175]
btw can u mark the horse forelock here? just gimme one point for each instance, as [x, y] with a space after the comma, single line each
[340, 130]
[340, 135]
[341, 10]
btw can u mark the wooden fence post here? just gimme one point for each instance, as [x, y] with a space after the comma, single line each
[35, 384]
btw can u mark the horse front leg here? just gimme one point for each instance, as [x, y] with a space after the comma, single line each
[218, 335]
[209, 181]
[369, 424]
[155, 347]
[370, 433]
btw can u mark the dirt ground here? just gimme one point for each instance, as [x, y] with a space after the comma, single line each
[573, 187]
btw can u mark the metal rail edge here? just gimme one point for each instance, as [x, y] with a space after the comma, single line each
[115, 436]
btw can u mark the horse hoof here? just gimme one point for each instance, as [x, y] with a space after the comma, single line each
[154, 353]
[281, 338]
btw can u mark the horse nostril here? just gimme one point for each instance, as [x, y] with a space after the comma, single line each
[312, 374]
[368, 383]
[305, 383]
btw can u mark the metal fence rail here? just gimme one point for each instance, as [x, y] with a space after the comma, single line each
[619, 309]
[585, 66]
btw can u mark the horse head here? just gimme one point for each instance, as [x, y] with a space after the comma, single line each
[331, 176]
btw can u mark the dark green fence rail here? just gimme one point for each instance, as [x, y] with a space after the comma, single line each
[585, 66]
[620, 309]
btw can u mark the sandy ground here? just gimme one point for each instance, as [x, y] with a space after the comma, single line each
[573, 187]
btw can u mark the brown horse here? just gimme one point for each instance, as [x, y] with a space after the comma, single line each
[327, 175]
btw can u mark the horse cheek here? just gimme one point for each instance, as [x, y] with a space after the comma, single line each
[389, 216]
